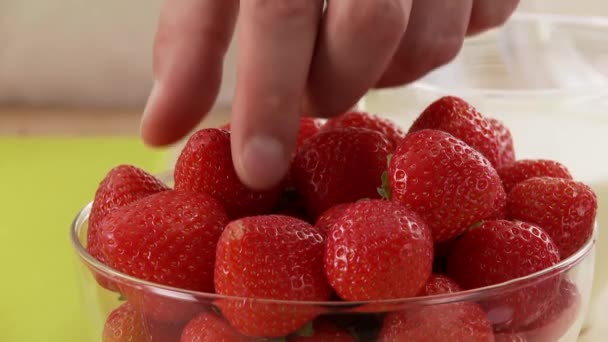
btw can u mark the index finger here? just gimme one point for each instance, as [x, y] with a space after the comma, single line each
[276, 46]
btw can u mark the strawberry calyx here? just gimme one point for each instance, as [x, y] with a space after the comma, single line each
[385, 190]
[307, 330]
[475, 225]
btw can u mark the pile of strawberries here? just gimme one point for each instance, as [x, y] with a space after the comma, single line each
[368, 212]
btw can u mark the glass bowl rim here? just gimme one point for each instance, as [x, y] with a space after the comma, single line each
[588, 22]
[463, 296]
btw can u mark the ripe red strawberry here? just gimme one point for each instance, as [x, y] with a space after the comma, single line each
[205, 165]
[564, 208]
[123, 185]
[455, 116]
[330, 216]
[439, 284]
[168, 238]
[459, 321]
[324, 331]
[448, 183]
[125, 324]
[506, 150]
[270, 257]
[308, 128]
[369, 121]
[558, 318]
[211, 327]
[524, 169]
[160, 307]
[378, 250]
[339, 166]
[498, 251]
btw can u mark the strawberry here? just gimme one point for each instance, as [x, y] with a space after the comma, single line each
[127, 324]
[205, 165]
[122, 185]
[564, 208]
[563, 310]
[339, 166]
[393, 133]
[211, 327]
[439, 284]
[160, 307]
[167, 238]
[323, 331]
[270, 257]
[448, 183]
[459, 321]
[329, 217]
[308, 128]
[457, 117]
[524, 169]
[506, 151]
[499, 251]
[378, 250]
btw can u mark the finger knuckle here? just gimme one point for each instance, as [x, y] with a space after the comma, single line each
[443, 52]
[489, 18]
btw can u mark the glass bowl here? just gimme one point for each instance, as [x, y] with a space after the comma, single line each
[546, 305]
[546, 78]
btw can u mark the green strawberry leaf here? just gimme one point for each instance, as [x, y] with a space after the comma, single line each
[216, 310]
[384, 190]
[388, 160]
[475, 225]
[307, 330]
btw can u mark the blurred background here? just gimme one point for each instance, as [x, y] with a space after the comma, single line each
[72, 55]
[74, 77]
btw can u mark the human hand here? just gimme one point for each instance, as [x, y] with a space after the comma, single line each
[295, 58]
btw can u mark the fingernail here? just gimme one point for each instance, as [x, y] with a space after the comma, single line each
[263, 162]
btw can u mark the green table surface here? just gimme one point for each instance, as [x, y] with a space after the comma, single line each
[45, 181]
